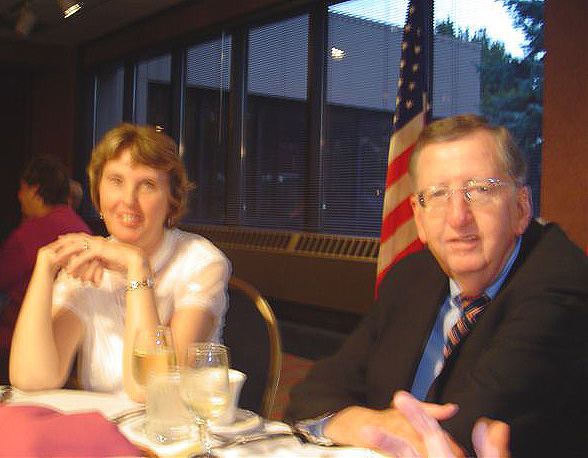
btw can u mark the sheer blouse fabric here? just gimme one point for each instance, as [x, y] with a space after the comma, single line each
[189, 271]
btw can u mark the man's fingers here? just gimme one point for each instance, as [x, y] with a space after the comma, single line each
[437, 411]
[415, 414]
[392, 445]
[436, 441]
[490, 438]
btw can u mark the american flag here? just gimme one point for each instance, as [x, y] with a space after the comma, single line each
[398, 234]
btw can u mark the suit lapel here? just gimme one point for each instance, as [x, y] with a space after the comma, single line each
[410, 324]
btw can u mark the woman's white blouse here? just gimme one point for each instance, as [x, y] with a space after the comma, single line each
[189, 271]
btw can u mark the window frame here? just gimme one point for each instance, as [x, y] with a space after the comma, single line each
[318, 16]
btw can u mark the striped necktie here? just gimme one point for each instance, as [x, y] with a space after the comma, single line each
[471, 310]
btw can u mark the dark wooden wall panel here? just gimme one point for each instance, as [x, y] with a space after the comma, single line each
[15, 109]
[564, 181]
[37, 114]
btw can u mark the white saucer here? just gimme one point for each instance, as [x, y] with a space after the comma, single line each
[245, 421]
[134, 430]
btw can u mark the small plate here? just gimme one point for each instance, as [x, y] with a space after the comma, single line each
[134, 430]
[245, 421]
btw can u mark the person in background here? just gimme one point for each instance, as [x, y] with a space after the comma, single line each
[43, 197]
[144, 274]
[492, 316]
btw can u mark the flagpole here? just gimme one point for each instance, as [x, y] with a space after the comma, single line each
[429, 41]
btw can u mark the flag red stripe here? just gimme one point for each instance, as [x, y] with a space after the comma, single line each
[398, 167]
[396, 218]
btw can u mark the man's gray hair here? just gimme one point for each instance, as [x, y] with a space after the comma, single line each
[457, 127]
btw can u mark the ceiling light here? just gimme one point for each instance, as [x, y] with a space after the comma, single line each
[69, 7]
[337, 53]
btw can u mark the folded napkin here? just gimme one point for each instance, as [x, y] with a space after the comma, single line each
[35, 431]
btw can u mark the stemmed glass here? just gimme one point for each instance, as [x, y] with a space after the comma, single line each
[204, 386]
[153, 350]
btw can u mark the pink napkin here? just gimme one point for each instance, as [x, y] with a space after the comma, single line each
[35, 431]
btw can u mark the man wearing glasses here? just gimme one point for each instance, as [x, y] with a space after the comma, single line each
[492, 316]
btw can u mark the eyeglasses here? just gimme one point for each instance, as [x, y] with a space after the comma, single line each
[476, 192]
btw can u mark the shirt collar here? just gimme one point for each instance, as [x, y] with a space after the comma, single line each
[492, 290]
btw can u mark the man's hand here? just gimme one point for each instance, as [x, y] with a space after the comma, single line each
[388, 431]
[410, 429]
[490, 438]
[421, 416]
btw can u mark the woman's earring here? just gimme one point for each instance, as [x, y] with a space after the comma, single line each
[101, 216]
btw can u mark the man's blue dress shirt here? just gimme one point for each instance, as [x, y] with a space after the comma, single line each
[432, 359]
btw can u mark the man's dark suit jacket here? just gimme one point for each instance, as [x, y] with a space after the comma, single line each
[525, 361]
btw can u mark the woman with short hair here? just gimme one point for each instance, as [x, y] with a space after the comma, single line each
[90, 295]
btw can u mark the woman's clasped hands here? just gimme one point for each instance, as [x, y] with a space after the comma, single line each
[85, 257]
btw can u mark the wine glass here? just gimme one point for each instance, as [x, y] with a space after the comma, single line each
[204, 386]
[153, 351]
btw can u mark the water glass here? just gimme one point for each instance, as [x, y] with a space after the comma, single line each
[204, 386]
[167, 420]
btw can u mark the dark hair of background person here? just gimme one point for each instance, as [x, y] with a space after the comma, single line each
[51, 176]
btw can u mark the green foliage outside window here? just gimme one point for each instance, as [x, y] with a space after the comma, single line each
[512, 88]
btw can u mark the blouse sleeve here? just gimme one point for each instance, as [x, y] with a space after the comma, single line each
[205, 272]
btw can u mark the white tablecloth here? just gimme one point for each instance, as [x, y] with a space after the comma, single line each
[112, 405]
[76, 401]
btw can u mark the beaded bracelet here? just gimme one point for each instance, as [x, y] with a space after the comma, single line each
[145, 283]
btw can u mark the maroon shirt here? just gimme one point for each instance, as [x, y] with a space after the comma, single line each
[18, 254]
